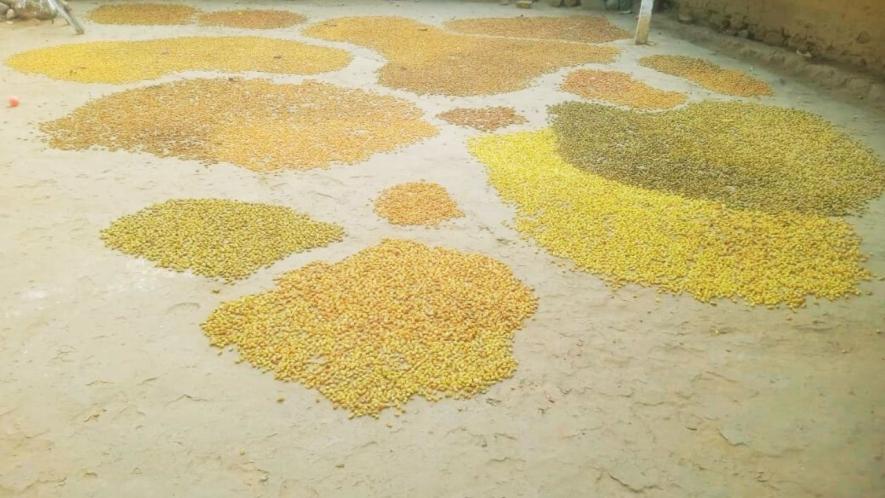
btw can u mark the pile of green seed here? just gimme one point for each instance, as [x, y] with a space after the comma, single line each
[620, 88]
[143, 14]
[251, 19]
[427, 60]
[394, 321]
[417, 203]
[708, 75]
[631, 234]
[483, 118]
[254, 124]
[128, 61]
[588, 29]
[747, 156]
[217, 237]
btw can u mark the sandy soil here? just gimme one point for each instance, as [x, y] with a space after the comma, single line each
[108, 387]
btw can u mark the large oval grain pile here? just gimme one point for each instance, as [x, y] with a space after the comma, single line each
[255, 124]
[128, 61]
[629, 234]
[483, 118]
[428, 60]
[394, 321]
[708, 75]
[217, 237]
[143, 14]
[417, 203]
[589, 29]
[251, 19]
[620, 88]
[745, 155]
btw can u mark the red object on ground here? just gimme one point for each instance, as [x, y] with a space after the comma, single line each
[13, 101]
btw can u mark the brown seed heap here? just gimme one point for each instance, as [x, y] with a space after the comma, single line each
[483, 118]
[251, 19]
[427, 60]
[217, 237]
[747, 156]
[708, 75]
[255, 124]
[128, 61]
[143, 13]
[417, 203]
[619, 88]
[391, 322]
[589, 29]
[631, 234]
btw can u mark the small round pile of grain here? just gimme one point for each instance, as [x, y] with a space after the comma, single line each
[255, 124]
[251, 19]
[143, 13]
[483, 118]
[588, 29]
[128, 61]
[708, 75]
[748, 156]
[394, 321]
[427, 60]
[619, 88]
[417, 203]
[631, 234]
[217, 237]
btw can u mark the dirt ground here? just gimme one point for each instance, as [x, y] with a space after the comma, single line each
[108, 387]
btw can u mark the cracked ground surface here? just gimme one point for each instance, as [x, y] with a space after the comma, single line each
[108, 388]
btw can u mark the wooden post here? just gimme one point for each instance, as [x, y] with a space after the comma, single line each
[643, 22]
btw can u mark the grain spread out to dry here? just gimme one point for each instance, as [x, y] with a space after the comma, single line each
[708, 75]
[745, 155]
[128, 61]
[394, 321]
[217, 237]
[254, 124]
[251, 19]
[628, 234]
[589, 29]
[483, 118]
[417, 203]
[143, 13]
[427, 60]
[620, 88]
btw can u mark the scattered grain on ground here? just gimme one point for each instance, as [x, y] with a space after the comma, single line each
[427, 60]
[620, 88]
[128, 61]
[217, 237]
[708, 75]
[255, 124]
[391, 322]
[745, 155]
[589, 29]
[628, 234]
[251, 19]
[417, 203]
[143, 13]
[483, 118]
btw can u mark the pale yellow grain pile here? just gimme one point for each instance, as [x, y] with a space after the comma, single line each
[708, 75]
[417, 203]
[588, 29]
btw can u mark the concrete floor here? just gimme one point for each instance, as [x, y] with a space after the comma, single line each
[108, 388]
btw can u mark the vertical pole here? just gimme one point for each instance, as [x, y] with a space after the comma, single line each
[643, 22]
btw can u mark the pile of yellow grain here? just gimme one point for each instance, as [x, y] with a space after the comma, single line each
[483, 118]
[143, 14]
[588, 29]
[417, 203]
[251, 19]
[708, 75]
[620, 88]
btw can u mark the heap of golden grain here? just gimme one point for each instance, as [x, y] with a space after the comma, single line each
[251, 19]
[620, 88]
[255, 124]
[588, 29]
[143, 14]
[708, 75]
[394, 321]
[483, 118]
[417, 203]
[128, 61]
[428, 60]
[217, 237]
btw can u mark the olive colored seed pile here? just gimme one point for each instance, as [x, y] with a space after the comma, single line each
[628, 234]
[483, 118]
[143, 14]
[428, 60]
[417, 203]
[708, 75]
[254, 124]
[251, 19]
[391, 322]
[620, 88]
[217, 237]
[128, 61]
[589, 29]
[745, 155]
